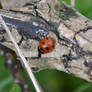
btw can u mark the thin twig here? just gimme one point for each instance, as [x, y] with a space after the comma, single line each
[24, 61]
[73, 3]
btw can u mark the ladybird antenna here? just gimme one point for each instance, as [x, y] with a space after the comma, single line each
[23, 60]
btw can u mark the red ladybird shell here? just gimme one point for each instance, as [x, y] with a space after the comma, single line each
[47, 45]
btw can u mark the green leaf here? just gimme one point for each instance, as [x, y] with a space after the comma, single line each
[83, 88]
[16, 88]
[5, 82]
[85, 7]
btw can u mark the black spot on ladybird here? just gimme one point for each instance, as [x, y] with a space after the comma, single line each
[53, 46]
[43, 43]
[47, 48]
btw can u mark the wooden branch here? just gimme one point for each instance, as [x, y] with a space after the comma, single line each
[71, 30]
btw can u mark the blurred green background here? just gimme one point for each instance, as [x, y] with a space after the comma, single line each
[51, 80]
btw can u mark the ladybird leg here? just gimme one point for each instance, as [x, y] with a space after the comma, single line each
[39, 55]
[39, 52]
[19, 43]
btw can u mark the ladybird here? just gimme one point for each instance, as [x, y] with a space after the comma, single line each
[46, 45]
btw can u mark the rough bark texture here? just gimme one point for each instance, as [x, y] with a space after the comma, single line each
[9, 4]
[71, 30]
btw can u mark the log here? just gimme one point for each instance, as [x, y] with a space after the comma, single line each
[71, 30]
